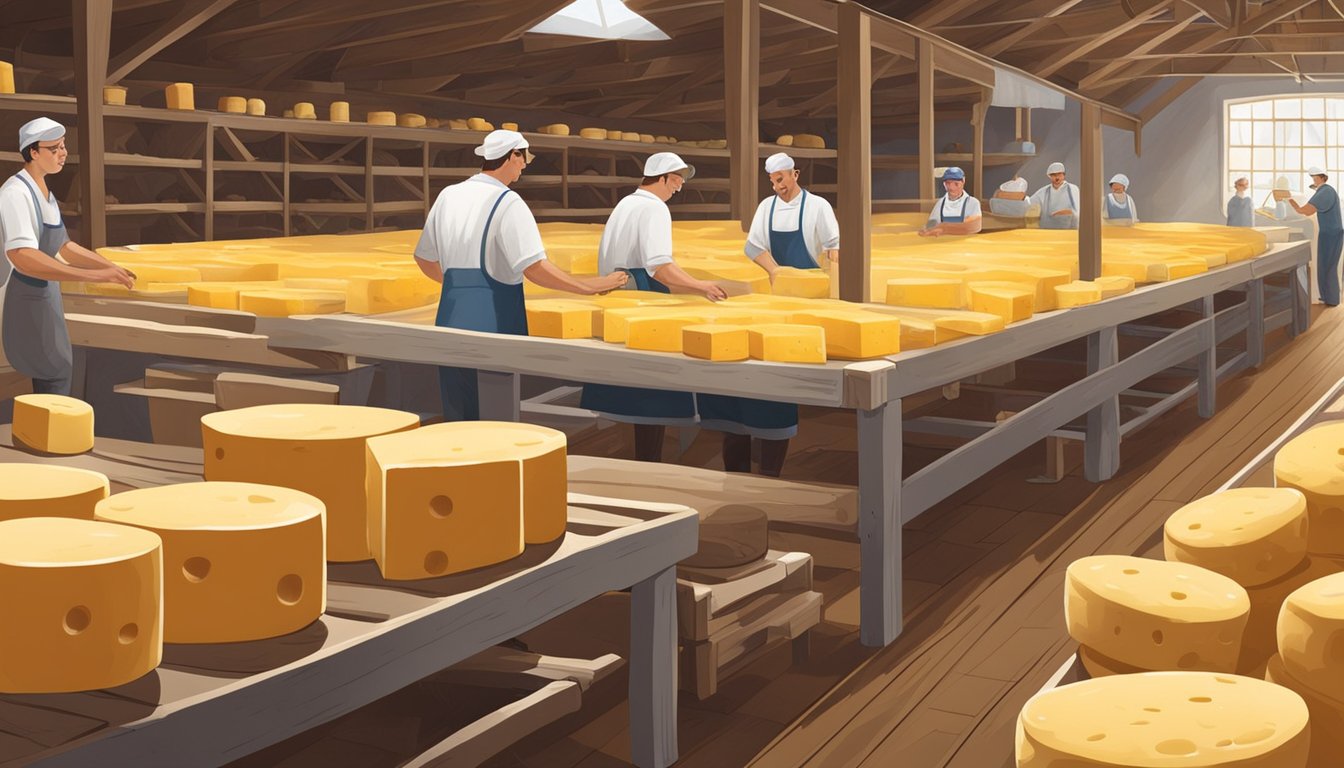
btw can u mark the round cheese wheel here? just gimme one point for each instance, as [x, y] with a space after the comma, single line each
[47, 490]
[1250, 535]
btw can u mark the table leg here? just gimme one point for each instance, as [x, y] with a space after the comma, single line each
[880, 478]
[1207, 390]
[653, 671]
[1101, 447]
[498, 396]
[1298, 282]
[1255, 322]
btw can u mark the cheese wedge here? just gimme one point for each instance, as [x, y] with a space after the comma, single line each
[854, 335]
[1327, 716]
[83, 607]
[180, 96]
[787, 343]
[719, 343]
[1311, 634]
[1312, 464]
[1250, 535]
[53, 423]
[49, 490]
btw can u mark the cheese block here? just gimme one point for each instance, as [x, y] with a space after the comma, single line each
[479, 124]
[233, 104]
[614, 135]
[410, 120]
[1327, 716]
[432, 122]
[256, 107]
[787, 343]
[808, 141]
[509, 126]
[802, 283]
[1077, 294]
[53, 423]
[1114, 285]
[224, 295]
[456, 496]
[1311, 463]
[317, 449]
[854, 335]
[83, 606]
[381, 118]
[288, 113]
[558, 129]
[785, 141]
[457, 124]
[1260, 640]
[1155, 615]
[112, 94]
[931, 292]
[374, 295]
[180, 96]
[575, 261]
[646, 138]
[593, 133]
[241, 561]
[658, 333]
[615, 320]
[48, 490]
[1311, 634]
[1011, 302]
[1100, 665]
[7, 79]
[719, 343]
[1164, 720]
[664, 139]
[284, 302]
[560, 319]
[339, 112]
[304, 110]
[1250, 535]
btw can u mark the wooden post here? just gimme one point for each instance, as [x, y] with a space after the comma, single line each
[1255, 322]
[424, 180]
[284, 204]
[741, 78]
[498, 396]
[209, 167]
[564, 177]
[880, 555]
[368, 184]
[1207, 363]
[855, 163]
[926, 139]
[93, 32]
[1089, 199]
[979, 112]
[1101, 447]
[653, 671]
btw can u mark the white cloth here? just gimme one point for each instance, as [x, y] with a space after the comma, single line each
[499, 143]
[778, 162]
[965, 206]
[18, 218]
[821, 230]
[41, 129]
[452, 233]
[1014, 90]
[638, 235]
[1133, 207]
[1051, 199]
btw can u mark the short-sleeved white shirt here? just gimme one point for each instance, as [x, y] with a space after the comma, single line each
[453, 229]
[965, 206]
[638, 235]
[18, 217]
[821, 231]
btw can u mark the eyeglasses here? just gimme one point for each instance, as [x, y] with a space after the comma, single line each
[55, 149]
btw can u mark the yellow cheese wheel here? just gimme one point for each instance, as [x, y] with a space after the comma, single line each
[1311, 634]
[112, 94]
[461, 495]
[719, 343]
[1311, 463]
[180, 96]
[1250, 535]
[629, 136]
[317, 449]
[256, 107]
[1327, 716]
[808, 141]
[82, 605]
[304, 110]
[613, 135]
[1260, 641]
[339, 112]
[593, 133]
[49, 490]
[1155, 615]
[1165, 720]
[646, 138]
[233, 104]
[381, 118]
[785, 141]
[241, 561]
[1100, 665]
[410, 120]
[853, 335]
[53, 423]
[509, 126]
[787, 343]
[479, 124]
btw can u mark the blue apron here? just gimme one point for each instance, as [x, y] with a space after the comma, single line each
[1239, 213]
[472, 300]
[36, 340]
[1049, 221]
[1115, 211]
[943, 218]
[636, 405]
[789, 249]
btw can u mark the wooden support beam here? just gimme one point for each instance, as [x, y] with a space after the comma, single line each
[1003, 43]
[92, 39]
[980, 111]
[188, 18]
[854, 76]
[926, 120]
[1089, 201]
[1168, 96]
[1183, 20]
[1067, 54]
[741, 69]
[209, 167]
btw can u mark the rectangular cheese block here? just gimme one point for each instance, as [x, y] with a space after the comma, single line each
[232, 104]
[7, 77]
[932, 292]
[180, 96]
[787, 343]
[1011, 301]
[854, 335]
[559, 319]
[660, 333]
[803, 283]
[284, 302]
[575, 261]
[1114, 285]
[223, 295]
[1077, 294]
[720, 343]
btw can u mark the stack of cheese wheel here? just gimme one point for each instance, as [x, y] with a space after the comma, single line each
[451, 497]
[45, 490]
[1311, 662]
[1311, 463]
[53, 423]
[241, 561]
[1130, 614]
[317, 449]
[1258, 538]
[83, 606]
[1165, 720]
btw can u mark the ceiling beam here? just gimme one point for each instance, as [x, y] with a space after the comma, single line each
[1007, 41]
[1066, 55]
[191, 16]
[1184, 19]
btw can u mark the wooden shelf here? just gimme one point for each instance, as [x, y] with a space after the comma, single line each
[250, 206]
[146, 161]
[358, 208]
[259, 166]
[38, 102]
[122, 209]
[588, 213]
[964, 159]
[767, 150]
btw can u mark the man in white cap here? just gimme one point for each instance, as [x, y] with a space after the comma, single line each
[792, 228]
[956, 213]
[1058, 200]
[480, 240]
[36, 341]
[1119, 206]
[637, 241]
[1240, 209]
[1329, 233]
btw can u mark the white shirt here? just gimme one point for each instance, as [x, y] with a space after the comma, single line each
[638, 235]
[1133, 209]
[1051, 199]
[453, 229]
[18, 217]
[966, 206]
[821, 232]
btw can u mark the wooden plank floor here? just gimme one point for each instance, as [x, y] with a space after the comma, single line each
[983, 590]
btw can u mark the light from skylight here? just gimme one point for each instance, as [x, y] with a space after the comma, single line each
[601, 19]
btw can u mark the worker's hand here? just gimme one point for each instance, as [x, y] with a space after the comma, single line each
[112, 275]
[609, 283]
[1064, 212]
[125, 271]
[935, 232]
[834, 256]
[713, 292]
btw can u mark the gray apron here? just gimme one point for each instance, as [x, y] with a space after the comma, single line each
[1049, 220]
[36, 339]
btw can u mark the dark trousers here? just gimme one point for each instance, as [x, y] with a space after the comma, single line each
[59, 386]
[461, 397]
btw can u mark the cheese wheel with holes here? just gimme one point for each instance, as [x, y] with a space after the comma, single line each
[82, 605]
[314, 448]
[1327, 716]
[1313, 463]
[1311, 634]
[1155, 615]
[241, 561]
[1250, 535]
[49, 490]
[53, 423]
[452, 497]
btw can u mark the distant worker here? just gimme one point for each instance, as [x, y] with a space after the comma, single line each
[1240, 209]
[480, 240]
[36, 340]
[1119, 207]
[792, 228]
[637, 241]
[1058, 200]
[955, 213]
[1330, 234]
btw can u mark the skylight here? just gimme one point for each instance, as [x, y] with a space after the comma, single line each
[601, 19]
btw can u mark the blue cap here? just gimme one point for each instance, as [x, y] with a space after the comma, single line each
[954, 173]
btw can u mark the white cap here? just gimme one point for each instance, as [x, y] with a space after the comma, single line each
[1316, 170]
[41, 129]
[1054, 168]
[499, 143]
[778, 162]
[667, 162]
[1121, 179]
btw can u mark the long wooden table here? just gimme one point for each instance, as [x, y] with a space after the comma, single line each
[210, 704]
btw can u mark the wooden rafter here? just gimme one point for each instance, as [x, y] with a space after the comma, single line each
[1184, 19]
[1007, 41]
[1068, 54]
[189, 17]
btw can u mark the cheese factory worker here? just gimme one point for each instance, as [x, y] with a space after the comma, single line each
[1239, 207]
[955, 213]
[1329, 234]
[1119, 206]
[36, 341]
[637, 241]
[480, 240]
[791, 228]
[1058, 200]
